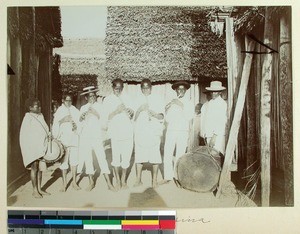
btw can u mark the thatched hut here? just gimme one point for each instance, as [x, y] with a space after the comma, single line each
[163, 44]
[82, 63]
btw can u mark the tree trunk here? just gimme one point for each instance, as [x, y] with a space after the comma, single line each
[265, 122]
[286, 107]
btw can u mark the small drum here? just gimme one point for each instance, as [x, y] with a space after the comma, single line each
[55, 151]
[199, 170]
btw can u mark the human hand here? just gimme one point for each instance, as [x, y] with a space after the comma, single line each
[143, 107]
[177, 102]
[129, 112]
[212, 141]
[120, 108]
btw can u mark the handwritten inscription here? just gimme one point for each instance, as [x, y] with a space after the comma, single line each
[192, 220]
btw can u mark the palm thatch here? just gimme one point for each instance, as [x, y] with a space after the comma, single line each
[83, 64]
[162, 44]
[248, 18]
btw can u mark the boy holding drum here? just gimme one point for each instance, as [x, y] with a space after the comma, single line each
[34, 136]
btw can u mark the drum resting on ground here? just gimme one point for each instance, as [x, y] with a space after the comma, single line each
[55, 151]
[199, 170]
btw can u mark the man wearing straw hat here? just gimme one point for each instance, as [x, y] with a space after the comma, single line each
[91, 138]
[179, 113]
[119, 113]
[214, 118]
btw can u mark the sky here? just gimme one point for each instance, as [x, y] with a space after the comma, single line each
[83, 21]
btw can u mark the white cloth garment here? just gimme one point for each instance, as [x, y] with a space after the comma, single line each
[91, 141]
[64, 132]
[177, 134]
[148, 130]
[33, 137]
[213, 121]
[119, 130]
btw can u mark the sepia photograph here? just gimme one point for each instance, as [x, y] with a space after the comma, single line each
[138, 107]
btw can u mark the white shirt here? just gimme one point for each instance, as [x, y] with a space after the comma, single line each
[64, 131]
[213, 118]
[148, 125]
[120, 126]
[179, 118]
[91, 125]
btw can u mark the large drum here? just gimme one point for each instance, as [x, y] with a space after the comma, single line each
[55, 151]
[199, 170]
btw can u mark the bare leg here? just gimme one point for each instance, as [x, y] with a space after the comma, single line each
[34, 179]
[138, 182]
[109, 184]
[64, 180]
[74, 172]
[154, 175]
[123, 179]
[92, 183]
[39, 175]
[117, 177]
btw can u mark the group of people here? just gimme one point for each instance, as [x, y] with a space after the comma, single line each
[131, 126]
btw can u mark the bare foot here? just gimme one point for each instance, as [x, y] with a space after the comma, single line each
[124, 186]
[164, 182]
[36, 194]
[90, 187]
[118, 186]
[75, 186]
[44, 193]
[63, 189]
[137, 184]
[112, 188]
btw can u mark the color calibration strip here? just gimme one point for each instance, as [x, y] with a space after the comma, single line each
[91, 221]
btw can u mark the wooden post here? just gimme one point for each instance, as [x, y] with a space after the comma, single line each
[234, 130]
[231, 77]
[286, 106]
[265, 112]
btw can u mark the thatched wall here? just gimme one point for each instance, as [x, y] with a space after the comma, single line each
[163, 44]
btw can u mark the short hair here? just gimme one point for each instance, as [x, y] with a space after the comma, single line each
[64, 96]
[30, 101]
[146, 81]
[115, 81]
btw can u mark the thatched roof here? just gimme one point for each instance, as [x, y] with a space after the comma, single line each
[82, 63]
[163, 44]
[248, 18]
[47, 28]
[81, 56]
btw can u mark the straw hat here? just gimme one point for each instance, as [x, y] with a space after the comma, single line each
[90, 89]
[182, 82]
[215, 86]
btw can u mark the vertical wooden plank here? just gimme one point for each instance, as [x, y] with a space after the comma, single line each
[286, 106]
[234, 130]
[265, 122]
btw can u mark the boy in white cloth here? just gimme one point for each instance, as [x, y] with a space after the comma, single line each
[65, 123]
[214, 118]
[148, 131]
[34, 137]
[179, 113]
[91, 138]
[119, 113]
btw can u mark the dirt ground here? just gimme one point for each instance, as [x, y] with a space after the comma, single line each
[164, 196]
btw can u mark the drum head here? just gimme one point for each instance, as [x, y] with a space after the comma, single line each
[54, 151]
[198, 171]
